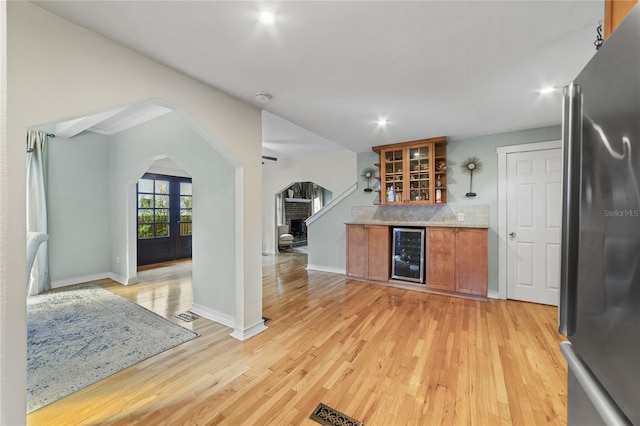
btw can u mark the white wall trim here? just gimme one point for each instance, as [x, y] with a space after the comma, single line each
[502, 152]
[247, 333]
[492, 294]
[91, 277]
[331, 204]
[121, 279]
[321, 268]
[213, 315]
[229, 321]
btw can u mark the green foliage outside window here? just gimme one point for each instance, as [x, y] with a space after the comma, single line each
[145, 231]
[153, 208]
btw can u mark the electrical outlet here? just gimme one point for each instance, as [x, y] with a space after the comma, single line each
[460, 217]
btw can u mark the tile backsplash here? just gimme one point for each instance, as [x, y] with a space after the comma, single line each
[439, 214]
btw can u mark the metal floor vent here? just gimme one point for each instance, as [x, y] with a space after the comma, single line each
[327, 416]
[187, 316]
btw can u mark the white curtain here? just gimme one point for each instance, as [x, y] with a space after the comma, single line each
[38, 280]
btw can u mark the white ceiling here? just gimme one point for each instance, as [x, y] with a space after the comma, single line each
[431, 68]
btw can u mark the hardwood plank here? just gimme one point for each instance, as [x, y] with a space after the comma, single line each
[379, 354]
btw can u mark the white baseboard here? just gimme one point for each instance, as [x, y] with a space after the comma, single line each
[229, 321]
[121, 279]
[249, 332]
[320, 268]
[493, 294]
[213, 315]
[86, 278]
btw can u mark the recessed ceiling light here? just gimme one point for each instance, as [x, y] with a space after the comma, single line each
[382, 122]
[547, 90]
[267, 18]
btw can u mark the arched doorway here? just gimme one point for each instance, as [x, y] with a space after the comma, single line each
[294, 205]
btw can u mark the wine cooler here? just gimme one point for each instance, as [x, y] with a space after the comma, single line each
[407, 262]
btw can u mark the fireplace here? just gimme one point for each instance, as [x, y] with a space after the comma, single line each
[296, 213]
[298, 228]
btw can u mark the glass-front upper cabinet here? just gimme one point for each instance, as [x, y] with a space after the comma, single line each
[419, 173]
[394, 172]
[408, 172]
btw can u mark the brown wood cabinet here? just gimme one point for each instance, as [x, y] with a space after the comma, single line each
[457, 260]
[614, 12]
[416, 170]
[368, 252]
[441, 250]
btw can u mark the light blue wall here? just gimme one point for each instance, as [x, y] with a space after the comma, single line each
[327, 246]
[485, 182]
[92, 218]
[130, 154]
[78, 206]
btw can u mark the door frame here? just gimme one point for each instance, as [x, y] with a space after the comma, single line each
[502, 152]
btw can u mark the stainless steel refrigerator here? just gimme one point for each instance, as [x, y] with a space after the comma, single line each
[600, 289]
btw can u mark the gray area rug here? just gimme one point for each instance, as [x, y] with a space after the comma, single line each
[80, 335]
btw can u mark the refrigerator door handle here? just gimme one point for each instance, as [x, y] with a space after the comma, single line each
[600, 399]
[571, 147]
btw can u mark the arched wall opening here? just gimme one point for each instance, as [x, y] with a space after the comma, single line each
[95, 75]
[104, 171]
[294, 204]
[334, 171]
[164, 214]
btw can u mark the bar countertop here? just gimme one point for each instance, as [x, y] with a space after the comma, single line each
[419, 224]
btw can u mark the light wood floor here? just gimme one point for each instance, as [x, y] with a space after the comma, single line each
[384, 356]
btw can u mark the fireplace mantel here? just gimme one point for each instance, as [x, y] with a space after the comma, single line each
[297, 200]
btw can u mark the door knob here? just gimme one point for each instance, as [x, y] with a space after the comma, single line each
[512, 234]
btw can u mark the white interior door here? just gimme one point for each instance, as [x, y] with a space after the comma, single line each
[534, 217]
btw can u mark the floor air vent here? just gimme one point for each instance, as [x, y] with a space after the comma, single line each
[187, 316]
[327, 416]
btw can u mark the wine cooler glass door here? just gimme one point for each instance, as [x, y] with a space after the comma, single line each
[408, 254]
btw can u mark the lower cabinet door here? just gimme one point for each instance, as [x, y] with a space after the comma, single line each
[471, 261]
[356, 250]
[368, 252]
[378, 258]
[441, 252]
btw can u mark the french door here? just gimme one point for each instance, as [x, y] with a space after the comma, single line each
[164, 211]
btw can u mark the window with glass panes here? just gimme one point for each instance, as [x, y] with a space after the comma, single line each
[153, 208]
[186, 205]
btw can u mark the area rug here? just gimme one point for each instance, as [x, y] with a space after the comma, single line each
[80, 335]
